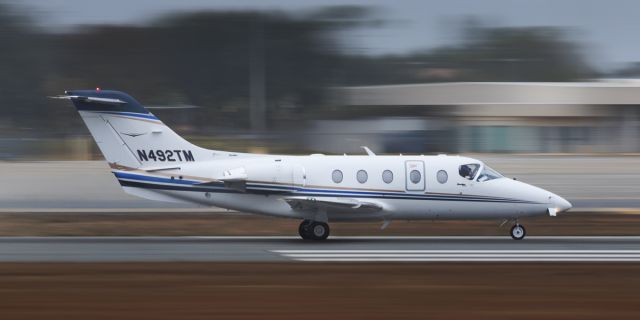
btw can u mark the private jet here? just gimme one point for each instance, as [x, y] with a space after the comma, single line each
[151, 161]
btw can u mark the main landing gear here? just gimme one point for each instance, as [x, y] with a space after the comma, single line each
[313, 230]
[518, 232]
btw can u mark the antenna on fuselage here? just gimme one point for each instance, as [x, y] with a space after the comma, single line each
[369, 152]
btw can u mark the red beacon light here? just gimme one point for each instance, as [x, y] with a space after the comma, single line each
[97, 88]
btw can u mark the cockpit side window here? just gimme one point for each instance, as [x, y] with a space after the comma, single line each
[468, 171]
[488, 174]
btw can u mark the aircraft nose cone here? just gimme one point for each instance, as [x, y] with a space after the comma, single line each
[561, 204]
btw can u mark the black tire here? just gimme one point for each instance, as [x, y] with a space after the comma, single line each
[318, 230]
[303, 229]
[518, 232]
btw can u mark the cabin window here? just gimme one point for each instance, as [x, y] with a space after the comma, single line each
[468, 171]
[387, 176]
[488, 174]
[362, 176]
[336, 176]
[415, 176]
[442, 176]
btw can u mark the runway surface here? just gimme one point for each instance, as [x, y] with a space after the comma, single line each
[336, 249]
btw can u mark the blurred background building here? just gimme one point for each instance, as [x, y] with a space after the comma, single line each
[513, 117]
[497, 77]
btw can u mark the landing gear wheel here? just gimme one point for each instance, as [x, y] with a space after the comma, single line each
[518, 232]
[319, 230]
[303, 229]
[313, 230]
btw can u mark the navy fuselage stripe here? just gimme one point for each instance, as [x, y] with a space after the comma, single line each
[127, 183]
[138, 177]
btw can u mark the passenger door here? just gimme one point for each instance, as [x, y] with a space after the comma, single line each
[299, 176]
[414, 175]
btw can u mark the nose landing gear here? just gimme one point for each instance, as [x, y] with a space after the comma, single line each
[313, 230]
[518, 232]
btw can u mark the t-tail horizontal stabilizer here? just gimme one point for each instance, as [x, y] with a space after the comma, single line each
[90, 99]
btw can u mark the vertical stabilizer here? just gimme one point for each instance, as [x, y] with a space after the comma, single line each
[128, 135]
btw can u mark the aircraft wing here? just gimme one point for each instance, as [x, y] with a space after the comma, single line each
[301, 203]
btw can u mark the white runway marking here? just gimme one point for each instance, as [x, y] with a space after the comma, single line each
[347, 249]
[461, 255]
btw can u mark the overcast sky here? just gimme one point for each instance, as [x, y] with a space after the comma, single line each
[608, 28]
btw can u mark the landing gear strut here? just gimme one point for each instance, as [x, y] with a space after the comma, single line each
[313, 230]
[518, 232]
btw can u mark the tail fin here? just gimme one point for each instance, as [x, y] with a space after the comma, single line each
[127, 134]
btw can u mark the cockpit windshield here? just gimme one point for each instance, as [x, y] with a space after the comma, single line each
[488, 174]
[468, 171]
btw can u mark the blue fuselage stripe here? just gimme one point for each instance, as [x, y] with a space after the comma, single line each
[137, 177]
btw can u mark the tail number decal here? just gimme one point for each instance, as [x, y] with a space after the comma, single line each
[165, 155]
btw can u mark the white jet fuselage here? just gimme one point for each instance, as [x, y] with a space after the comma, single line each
[264, 184]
